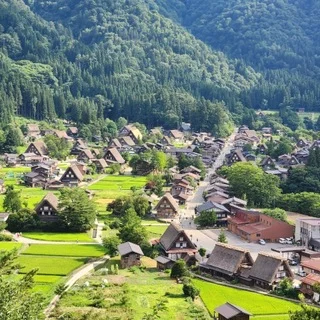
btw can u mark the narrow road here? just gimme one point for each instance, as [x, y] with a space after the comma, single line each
[75, 276]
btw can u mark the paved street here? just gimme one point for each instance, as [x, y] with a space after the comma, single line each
[208, 238]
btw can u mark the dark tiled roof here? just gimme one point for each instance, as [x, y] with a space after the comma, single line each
[229, 310]
[128, 247]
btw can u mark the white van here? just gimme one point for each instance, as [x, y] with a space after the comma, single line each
[282, 241]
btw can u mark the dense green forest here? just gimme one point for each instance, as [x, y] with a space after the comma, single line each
[94, 59]
[279, 38]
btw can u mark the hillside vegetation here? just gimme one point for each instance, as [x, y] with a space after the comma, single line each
[88, 60]
[280, 38]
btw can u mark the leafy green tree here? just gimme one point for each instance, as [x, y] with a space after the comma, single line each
[276, 213]
[58, 148]
[222, 237]
[306, 313]
[131, 228]
[206, 218]
[260, 188]
[23, 220]
[189, 290]
[202, 252]
[12, 200]
[121, 122]
[179, 269]
[18, 301]
[77, 212]
[111, 245]
[155, 183]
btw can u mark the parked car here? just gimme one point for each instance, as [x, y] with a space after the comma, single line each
[301, 273]
[289, 241]
[282, 241]
[261, 241]
[293, 262]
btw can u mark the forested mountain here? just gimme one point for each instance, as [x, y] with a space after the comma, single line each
[279, 38]
[92, 59]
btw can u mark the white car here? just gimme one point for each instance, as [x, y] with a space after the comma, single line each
[261, 241]
[282, 241]
[289, 241]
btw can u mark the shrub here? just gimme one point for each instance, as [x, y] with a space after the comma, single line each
[5, 237]
[190, 290]
[179, 269]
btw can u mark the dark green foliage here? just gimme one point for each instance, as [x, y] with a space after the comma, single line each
[206, 218]
[91, 60]
[276, 213]
[111, 245]
[17, 300]
[286, 289]
[306, 313]
[58, 148]
[304, 202]
[303, 179]
[76, 211]
[272, 36]
[190, 290]
[250, 182]
[12, 200]
[185, 161]
[131, 228]
[222, 237]
[24, 220]
[179, 269]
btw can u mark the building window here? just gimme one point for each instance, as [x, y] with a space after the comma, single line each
[258, 234]
[181, 239]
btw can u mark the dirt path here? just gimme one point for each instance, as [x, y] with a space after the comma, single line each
[75, 276]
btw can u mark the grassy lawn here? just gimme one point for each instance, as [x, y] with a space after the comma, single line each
[69, 250]
[56, 236]
[156, 231]
[129, 295]
[116, 183]
[10, 245]
[214, 295]
[60, 266]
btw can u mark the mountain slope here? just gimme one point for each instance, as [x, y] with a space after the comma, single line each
[118, 58]
[280, 38]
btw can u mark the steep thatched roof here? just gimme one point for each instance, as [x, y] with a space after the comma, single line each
[227, 259]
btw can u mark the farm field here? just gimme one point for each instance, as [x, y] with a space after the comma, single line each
[59, 237]
[129, 295]
[9, 246]
[49, 265]
[214, 295]
[111, 187]
[67, 250]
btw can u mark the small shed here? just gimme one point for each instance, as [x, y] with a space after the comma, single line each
[230, 311]
[164, 263]
[130, 254]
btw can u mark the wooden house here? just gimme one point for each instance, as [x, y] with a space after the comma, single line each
[45, 170]
[268, 270]
[100, 164]
[311, 265]
[72, 176]
[262, 148]
[176, 135]
[78, 146]
[228, 262]
[33, 130]
[37, 147]
[130, 254]
[29, 159]
[164, 263]
[126, 141]
[167, 207]
[267, 163]
[307, 284]
[230, 311]
[221, 211]
[61, 134]
[34, 179]
[11, 159]
[112, 155]
[114, 143]
[132, 131]
[235, 156]
[72, 132]
[165, 141]
[175, 243]
[85, 156]
[47, 209]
